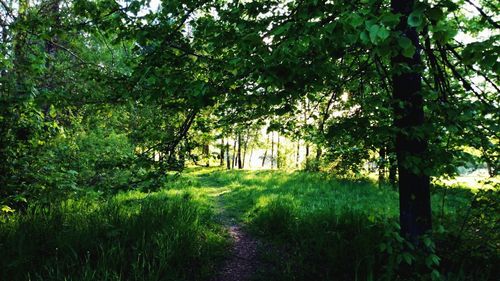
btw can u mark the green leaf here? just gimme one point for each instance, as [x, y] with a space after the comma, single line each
[72, 172]
[7, 209]
[443, 32]
[435, 14]
[383, 33]
[364, 37]
[415, 19]
[435, 275]
[390, 19]
[409, 52]
[52, 111]
[355, 20]
[282, 28]
[374, 33]
[404, 42]
[408, 258]
[435, 259]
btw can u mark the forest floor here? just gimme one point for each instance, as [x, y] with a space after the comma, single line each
[240, 225]
[283, 223]
[242, 261]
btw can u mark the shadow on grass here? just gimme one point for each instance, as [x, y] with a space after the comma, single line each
[133, 236]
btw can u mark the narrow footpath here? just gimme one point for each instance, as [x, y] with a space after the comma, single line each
[242, 261]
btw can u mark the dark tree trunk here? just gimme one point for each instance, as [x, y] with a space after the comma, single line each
[240, 164]
[206, 153]
[233, 163]
[414, 185]
[307, 154]
[222, 152]
[228, 160]
[278, 164]
[319, 152]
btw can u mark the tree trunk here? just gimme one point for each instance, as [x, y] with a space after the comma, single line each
[272, 150]
[306, 111]
[206, 153]
[233, 163]
[228, 160]
[222, 152]
[307, 154]
[278, 164]
[414, 185]
[265, 153]
[240, 164]
[319, 152]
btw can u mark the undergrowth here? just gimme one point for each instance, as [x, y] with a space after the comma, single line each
[132, 236]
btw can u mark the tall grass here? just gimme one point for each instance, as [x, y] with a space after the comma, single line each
[314, 227]
[321, 228]
[133, 236]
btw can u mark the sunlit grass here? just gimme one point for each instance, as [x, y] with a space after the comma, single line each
[164, 235]
[323, 228]
[315, 227]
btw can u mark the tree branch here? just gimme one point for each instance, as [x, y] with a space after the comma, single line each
[485, 16]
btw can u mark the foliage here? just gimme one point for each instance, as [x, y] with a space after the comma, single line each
[104, 96]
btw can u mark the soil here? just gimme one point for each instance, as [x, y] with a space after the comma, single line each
[242, 261]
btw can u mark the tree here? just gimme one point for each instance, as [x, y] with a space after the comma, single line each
[411, 142]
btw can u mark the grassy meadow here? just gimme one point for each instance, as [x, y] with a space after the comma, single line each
[312, 227]
[131, 236]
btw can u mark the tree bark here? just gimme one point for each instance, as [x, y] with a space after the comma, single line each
[278, 164]
[222, 152]
[410, 146]
[228, 160]
[206, 153]
[233, 163]
[319, 152]
[240, 164]
[307, 154]
[272, 150]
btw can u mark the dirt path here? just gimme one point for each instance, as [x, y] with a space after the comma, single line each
[242, 262]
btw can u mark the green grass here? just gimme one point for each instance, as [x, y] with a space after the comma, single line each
[322, 228]
[314, 227]
[132, 236]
